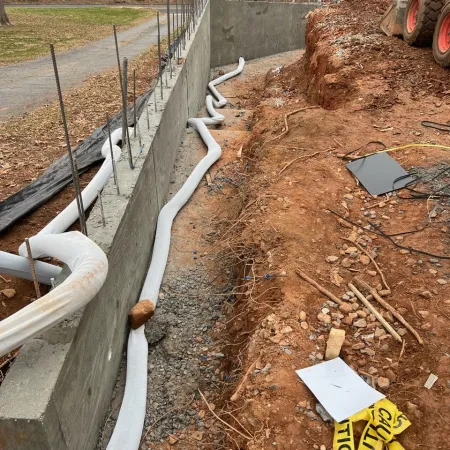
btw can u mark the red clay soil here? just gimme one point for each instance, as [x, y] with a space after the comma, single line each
[368, 87]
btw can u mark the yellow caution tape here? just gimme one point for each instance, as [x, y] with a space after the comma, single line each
[384, 423]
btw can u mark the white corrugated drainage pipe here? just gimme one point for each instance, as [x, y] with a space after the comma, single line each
[128, 430]
[19, 267]
[89, 267]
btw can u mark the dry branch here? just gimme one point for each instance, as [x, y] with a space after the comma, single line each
[363, 285]
[381, 319]
[319, 287]
[286, 128]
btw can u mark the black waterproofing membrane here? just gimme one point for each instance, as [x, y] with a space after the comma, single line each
[59, 174]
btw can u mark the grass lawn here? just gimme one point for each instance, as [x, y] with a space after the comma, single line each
[34, 29]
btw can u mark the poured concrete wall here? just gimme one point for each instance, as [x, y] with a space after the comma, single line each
[256, 29]
[58, 391]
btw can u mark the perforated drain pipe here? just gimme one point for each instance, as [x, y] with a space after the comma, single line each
[128, 430]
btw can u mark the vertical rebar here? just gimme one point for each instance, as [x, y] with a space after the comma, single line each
[33, 270]
[174, 38]
[124, 112]
[148, 117]
[159, 55]
[178, 35]
[102, 212]
[72, 158]
[125, 133]
[168, 38]
[113, 161]
[183, 23]
[134, 102]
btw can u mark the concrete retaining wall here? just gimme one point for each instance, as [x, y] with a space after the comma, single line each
[58, 391]
[256, 29]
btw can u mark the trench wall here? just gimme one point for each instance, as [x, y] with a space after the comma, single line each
[254, 29]
[58, 391]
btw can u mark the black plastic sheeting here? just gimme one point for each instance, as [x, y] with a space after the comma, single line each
[59, 174]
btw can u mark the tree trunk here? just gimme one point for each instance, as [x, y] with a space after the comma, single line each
[3, 16]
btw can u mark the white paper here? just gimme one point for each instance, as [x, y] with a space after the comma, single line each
[339, 389]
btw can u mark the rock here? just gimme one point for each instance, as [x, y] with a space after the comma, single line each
[372, 273]
[347, 321]
[140, 313]
[345, 297]
[390, 375]
[426, 326]
[345, 308]
[331, 259]
[348, 197]
[388, 316]
[361, 323]
[412, 410]
[358, 346]
[197, 435]
[424, 313]
[9, 293]
[442, 281]
[286, 330]
[277, 338]
[334, 343]
[368, 351]
[346, 262]
[364, 259]
[426, 294]
[402, 331]
[383, 383]
[433, 271]
[302, 315]
[372, 370]
[404, 251]
[325, 318]
[323, 413]
[350, 250]
[361, 313]
[304, 325]
[172, 439]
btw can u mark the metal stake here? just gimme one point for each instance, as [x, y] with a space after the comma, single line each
[168, 38]
[72, 158]
[113, 161]
[124, 112]
[134, 101]
[159, 56]
[178, 35]
[125, 132]
[148, 117]
[154, 96]
[174, 37]
[99, 197]
[183, 22]
[33, 270]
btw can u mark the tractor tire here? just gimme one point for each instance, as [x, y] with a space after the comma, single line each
[420, 20]
[441, 38]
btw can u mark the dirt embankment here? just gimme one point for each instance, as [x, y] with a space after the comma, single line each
[355, 91]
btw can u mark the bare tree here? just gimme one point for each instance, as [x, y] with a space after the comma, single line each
[3, 16]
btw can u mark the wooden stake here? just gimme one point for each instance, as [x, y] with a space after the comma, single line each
[381, 319]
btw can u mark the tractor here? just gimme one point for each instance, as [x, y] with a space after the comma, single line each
[421, 23]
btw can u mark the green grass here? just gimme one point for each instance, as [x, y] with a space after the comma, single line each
[34, 29]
